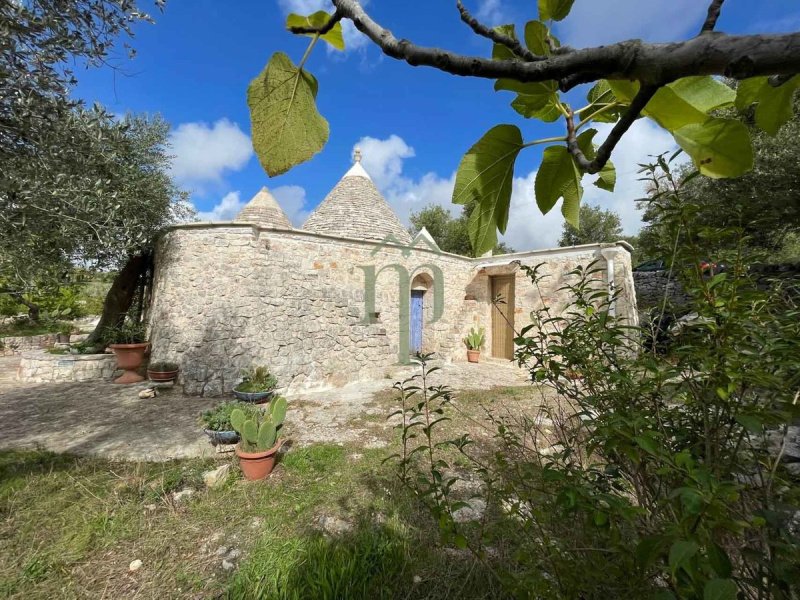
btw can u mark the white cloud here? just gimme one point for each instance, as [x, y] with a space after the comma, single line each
[595, 23]
[490, 12]
[383, 160]
[292, 199]
[353, 38]
[225, 210]
[529, 229]
[203, 152]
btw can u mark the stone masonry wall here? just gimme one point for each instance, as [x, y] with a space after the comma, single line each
[651, 287]
[226, 298]
[555, 269]
[17, 345]
[43, 367]
[230, 296]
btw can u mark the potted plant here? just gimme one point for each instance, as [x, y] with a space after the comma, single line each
[259, 438]
[474, 341]
[216, 421]
[257, 384]
[64, 333]
[162, 371]
[128, 342]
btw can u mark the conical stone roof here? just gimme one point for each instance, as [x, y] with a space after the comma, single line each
[264, 210]
[355, 208]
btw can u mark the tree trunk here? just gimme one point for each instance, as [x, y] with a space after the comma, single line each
[33, 309]
[120, 297]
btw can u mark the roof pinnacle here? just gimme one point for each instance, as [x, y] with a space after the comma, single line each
[357, 155]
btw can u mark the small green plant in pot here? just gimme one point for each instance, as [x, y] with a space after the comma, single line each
[257, 384]
[473, 342]
[260, 438]
[64, 333]
[216, 421]
[162, 371]
[128, 342]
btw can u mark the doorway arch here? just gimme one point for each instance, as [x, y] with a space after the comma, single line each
[420, 306]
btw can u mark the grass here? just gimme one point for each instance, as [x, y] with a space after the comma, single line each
[24, 327]
[71, 526]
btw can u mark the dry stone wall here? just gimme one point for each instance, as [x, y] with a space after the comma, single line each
[43, 367]
[229, 296]
[18, 344]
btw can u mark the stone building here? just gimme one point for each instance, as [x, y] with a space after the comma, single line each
[343, 298]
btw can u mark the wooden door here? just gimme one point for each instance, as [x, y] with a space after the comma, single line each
[416, 320]
[503, 316]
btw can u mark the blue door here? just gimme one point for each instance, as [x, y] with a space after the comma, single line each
[416, 320]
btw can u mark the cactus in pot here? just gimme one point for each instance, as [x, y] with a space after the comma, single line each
[259, 436]
[473, 342]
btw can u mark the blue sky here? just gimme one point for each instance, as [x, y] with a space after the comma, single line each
[413, 124]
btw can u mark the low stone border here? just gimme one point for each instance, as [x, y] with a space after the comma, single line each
[43, 367]
[18, 344]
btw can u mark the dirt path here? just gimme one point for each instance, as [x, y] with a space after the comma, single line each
[102, 419]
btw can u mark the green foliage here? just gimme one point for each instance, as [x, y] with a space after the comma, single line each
[687, 107]
[257, 379]
[86, 166]
[485, 176]
[162, 366]
[259, 430]
[558, 177]
[762, 203]
[128, 332]
[277, 409]
[475, 338]
[287, 128]
[774, 105]
[219, 417]
[318, 19]
[598, 225]
[657, 473]
[719, 147]
[554, 9]
[451, 233]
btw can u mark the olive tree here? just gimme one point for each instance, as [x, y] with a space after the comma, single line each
[79, 186]
[674, 84]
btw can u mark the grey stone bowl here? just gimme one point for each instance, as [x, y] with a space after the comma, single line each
[222, 437]
[253, 396]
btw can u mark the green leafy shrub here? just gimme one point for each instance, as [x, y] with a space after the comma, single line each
[658, 473]
[257, 379]
[162, 366]
[219, 417]
[129, 332]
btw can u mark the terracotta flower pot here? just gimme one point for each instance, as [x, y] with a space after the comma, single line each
[129, 358]
[473, 355]
[162, 375]
[257, 465]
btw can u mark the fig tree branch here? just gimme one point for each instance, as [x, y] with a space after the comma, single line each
[615, 135]
[495, 36]
[736, 56]
[322, 30]
[713, 15]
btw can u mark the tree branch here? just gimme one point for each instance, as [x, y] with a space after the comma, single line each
[779, 80]
[713, 14]
[738, 57]
[496, 36]
[620, 128]
[335, 18]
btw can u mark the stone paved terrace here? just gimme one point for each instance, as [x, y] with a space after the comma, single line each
[103, 419]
